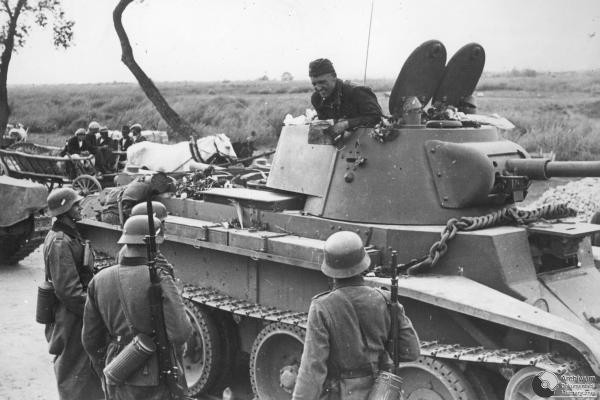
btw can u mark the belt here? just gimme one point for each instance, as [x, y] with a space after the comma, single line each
[366, 370]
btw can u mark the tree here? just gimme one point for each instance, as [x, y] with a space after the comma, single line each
[16, 19]
[175, 122]
[287, 77]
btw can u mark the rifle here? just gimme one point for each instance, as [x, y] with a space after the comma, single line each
[167, 370]
[394, 312]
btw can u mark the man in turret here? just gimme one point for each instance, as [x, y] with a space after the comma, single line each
[349, 105]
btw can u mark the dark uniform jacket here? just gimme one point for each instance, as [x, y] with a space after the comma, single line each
[63, 258]
[73, 147]
[90, 139]
[357, 104]
[346, 337]
[125, 142]
[107, 331]
[139, 138]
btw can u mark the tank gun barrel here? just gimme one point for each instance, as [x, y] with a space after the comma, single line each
[543, 168]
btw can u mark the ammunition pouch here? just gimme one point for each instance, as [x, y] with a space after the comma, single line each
[130, 359]
[46, 302]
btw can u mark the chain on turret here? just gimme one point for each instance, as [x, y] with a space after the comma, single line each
[505, 216]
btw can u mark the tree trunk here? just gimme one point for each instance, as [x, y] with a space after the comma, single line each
[9, 44]
[175, 122]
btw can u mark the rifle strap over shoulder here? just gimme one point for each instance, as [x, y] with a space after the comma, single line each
[366, 365]
[116, 272]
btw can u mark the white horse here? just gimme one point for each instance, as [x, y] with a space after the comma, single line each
[214, 149]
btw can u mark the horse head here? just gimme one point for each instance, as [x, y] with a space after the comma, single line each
[215, 149]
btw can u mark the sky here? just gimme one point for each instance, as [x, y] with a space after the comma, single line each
[193, 40]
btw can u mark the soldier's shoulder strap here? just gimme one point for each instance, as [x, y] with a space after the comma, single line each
[321, 294]
[117, 281]
[383, 293]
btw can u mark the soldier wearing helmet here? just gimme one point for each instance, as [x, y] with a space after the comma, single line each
[117, 310]
[348, 328]
[66, 268]
[349, 105]
[160, 211]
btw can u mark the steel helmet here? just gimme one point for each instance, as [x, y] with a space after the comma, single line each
[136, 229]
[344, 255]
[61, 200]
[94, 126]
[159, 209]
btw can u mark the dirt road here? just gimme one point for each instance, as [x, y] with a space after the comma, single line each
[25, 365]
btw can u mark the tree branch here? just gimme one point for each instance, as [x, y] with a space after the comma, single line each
[7, 9]
[175, 122]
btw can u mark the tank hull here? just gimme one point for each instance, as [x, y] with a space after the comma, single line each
[479, 294]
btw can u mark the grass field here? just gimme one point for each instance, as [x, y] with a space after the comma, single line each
[552, 111]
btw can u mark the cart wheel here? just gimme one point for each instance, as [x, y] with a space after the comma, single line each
[86, 184]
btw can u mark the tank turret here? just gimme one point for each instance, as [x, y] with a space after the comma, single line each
[423, 176]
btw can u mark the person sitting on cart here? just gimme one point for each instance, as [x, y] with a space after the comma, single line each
[104, 147]
[126, 140]
[136, 131]
[90, 136]
[92, 141]
[76, 144]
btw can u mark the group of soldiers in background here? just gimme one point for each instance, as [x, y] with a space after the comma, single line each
[97, 141]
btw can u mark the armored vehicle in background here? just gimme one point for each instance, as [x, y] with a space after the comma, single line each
[22, 224]
[501, 296]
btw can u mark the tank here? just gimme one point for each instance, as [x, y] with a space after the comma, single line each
[502, 298]
[23, 226]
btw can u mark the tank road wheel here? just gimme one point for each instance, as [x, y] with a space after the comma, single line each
[86, 184]
[430, 379]
[274, 360]
[520, 386]
[202, 351]
[480, 382]
[229, 345]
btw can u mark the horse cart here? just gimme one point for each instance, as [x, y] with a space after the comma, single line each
[43, 164]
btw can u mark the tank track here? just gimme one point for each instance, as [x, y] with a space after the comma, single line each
[42, 224]
[456, 352]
